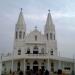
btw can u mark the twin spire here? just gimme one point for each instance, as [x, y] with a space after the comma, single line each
[49, 24]
[21, 22]
[49, 19]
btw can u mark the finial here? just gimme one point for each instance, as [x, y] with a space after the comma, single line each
[49, 10]
[21, 9]
[35, 27]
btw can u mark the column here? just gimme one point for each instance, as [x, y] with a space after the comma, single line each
[59, 65]
[39, 65]
[48, 65]
[24, 66]
[0, 68]
[59, 62]
[12, 61]
[48, 60]
[12, 65]
[31, 65]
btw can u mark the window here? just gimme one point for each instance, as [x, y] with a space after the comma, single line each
[47, 36]
[52, 52]
[28, 66]
[67, 68]
[3, 64]
[35, 37]
[16, 34]
[23, 35]
[52, 66]
[20, 34]
[43, 66]
[19, 52]
[35, 50]
[28, 51]
[54, 36]
[18, 63]
[51, 36]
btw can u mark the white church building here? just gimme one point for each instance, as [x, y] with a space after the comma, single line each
[35, 50]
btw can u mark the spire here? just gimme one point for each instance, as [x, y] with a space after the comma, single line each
[49, 23]
[49, 19]
[21, 22]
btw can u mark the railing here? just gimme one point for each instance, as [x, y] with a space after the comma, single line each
[30, 55]
[39, 55]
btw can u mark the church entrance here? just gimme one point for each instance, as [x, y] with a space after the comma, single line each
[35, 66]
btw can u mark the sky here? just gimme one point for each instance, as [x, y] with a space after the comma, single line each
[35, 13]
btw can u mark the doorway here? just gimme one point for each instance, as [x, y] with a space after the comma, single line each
[35, 66]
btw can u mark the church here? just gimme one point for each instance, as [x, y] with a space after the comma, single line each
[35, 50]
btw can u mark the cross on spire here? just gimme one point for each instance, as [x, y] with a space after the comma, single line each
[21, 9]
[49, 10]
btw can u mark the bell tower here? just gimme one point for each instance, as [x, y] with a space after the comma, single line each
[49, 33]
[20, 27]
[20, 32]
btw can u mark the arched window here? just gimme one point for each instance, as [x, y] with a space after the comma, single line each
[28, 51]
[52, 67]
[28, 66]
[19, 52]
[35, 37]
[47, 36]
[51, 51]
[20, 34]
[51, 36]
[3, 64]
[35, 50]
[54, 36]
[35, 62]
[23, 35]
[16, 35]
[18, 63]
[35, 66]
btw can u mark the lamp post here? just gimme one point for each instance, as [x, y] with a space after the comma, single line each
[48, 60]
[73, 66]
[59, 67]
[1, 64]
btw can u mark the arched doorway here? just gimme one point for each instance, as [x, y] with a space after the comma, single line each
[35, 66]
[42, 66]
[18, 66]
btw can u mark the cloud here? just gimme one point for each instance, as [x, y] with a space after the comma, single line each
[55, 15]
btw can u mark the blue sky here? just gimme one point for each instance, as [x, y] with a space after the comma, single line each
[35, 13]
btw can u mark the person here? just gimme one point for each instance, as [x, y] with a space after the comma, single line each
[39, 72]
[72, 72]
[59, 72]
[13, 73]
[31, 72]
[21, 73]
[46, 72]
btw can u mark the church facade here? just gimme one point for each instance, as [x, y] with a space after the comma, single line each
[35, 50]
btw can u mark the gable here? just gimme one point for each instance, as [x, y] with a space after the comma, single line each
[35, 37]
